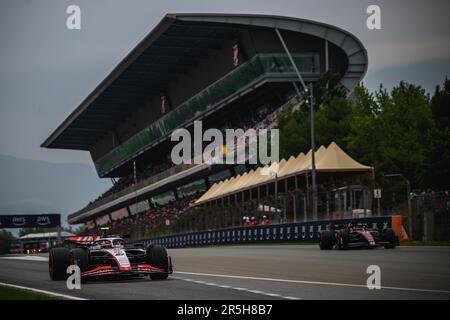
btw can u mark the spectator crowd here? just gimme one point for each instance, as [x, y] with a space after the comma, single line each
[249, 118]
[150, 220]
[252, 221]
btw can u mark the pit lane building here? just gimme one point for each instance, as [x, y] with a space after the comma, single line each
[209, 67]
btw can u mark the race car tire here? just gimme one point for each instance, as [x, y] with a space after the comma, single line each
[389, 236]
[343, 238]
[326, 241]
[58, 262]
[80, 257]
[157, 257]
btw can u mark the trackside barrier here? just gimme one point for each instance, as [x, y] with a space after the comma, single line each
[276, 233]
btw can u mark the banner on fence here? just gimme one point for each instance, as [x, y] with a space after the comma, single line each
[289, 232]
[46, 220]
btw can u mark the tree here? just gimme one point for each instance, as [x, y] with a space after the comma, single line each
[364, 136]
[440, 105]
[332, 112]
[438, 155]
[294, 133]
[6, 238]
[391, 131]
[396, 131]
[80, 229]
[333, 122]
[326, 89]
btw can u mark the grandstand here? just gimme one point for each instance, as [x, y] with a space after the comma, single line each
[227, 70]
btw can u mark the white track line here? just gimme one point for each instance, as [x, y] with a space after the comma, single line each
[336, 284]
[26, 258]
[273, 295]
[49, 293]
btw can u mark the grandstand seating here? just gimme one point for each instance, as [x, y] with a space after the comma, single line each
[144, 223]
[263, 118]
[148, 222]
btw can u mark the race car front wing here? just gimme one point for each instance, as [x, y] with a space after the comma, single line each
[136, 269]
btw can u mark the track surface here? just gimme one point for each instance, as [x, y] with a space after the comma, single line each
[265, 272]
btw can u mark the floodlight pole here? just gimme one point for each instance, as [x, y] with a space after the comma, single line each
[135, 188]
[292, 62]
[276, 190]
[313, 154]
[313, 158]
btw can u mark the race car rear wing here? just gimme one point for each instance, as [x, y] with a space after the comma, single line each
[339, 226]
[82, 240]
[135, 245]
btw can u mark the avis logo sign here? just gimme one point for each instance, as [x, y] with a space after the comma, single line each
[74, 279]
[374, 279]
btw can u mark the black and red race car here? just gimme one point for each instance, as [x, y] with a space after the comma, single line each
[356, 236]
[108, 256]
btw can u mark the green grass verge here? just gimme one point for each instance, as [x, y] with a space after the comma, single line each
[8, 293]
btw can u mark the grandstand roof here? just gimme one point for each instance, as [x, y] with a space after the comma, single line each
[331, 159]
[176, 43]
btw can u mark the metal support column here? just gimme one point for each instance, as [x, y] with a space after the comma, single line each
[313, 156]
[291, 60]
[294, 203]
[313, 165]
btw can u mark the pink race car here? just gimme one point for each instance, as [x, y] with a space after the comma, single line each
[358, 236]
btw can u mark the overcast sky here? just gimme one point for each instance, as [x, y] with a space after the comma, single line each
[46, 70]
